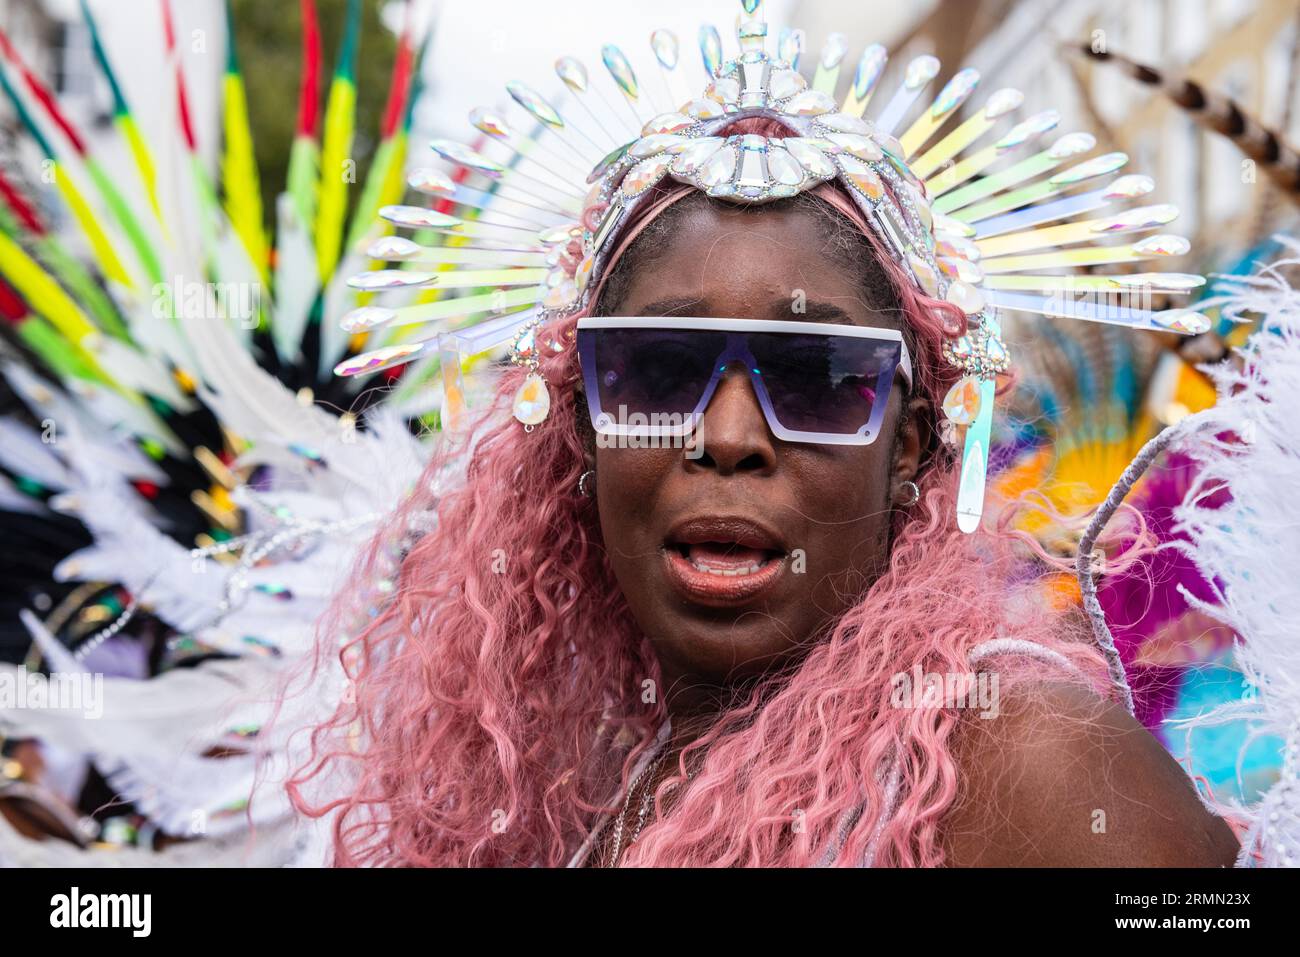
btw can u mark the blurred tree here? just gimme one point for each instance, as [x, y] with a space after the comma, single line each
[268, 41]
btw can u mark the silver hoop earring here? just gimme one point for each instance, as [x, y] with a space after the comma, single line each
[582, 484]
[916, 494]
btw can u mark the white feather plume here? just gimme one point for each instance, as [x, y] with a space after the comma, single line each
[1249, 546]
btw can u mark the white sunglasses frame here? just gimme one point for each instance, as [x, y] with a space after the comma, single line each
[715, 324]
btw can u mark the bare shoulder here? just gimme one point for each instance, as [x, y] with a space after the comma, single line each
[1061, 778]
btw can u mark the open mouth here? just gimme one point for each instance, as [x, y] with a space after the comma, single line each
[723, 560]
[726, 559]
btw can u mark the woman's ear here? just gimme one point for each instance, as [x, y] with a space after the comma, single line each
[913, 446]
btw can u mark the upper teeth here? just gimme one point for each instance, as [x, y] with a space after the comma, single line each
[730, 572]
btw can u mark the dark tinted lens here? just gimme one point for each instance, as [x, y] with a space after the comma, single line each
[650, 371]
[824, 383]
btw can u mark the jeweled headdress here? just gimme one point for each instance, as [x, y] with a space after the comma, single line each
[971, 223]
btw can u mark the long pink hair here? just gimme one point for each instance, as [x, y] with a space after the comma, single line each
[496, 705]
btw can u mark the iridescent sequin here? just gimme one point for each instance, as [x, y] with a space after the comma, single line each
[664, 44]
[620, 69]
[572, 72]
[533, 102]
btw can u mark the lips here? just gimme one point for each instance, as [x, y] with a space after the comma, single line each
[722, 560]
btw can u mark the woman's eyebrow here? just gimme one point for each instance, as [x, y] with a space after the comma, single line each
[681, 305]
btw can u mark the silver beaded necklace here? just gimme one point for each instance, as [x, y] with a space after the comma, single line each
[646, 795]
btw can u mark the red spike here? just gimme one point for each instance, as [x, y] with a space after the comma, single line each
[168, 33]
[43, 95]
[12, 306]
[309, 90]
[399, 89]
[182, 101]
[24, 210]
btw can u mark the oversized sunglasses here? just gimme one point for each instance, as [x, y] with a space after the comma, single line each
[815, 381]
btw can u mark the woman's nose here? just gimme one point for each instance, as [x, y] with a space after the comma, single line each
[732, 435]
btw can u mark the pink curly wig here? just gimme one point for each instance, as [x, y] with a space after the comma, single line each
[497, 703]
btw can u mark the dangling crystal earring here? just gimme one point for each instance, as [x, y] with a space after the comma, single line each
[916, 494]
[532, 400]
[582, 484]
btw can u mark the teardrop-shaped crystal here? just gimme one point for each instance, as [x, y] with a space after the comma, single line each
[418, 217]
[1130, 187]
[862, 177]
[525, 346]
[951, 226]
[962, 403]
[863, 147]
[1071, 144]
[664, 44]
[393, 248]
[924, 274]
[920, 206]
[710, 48]
[533, 102]
[1187, 321]
[486, 121]
[532, 400]
[750, 5]
[718, 168]
[645, 174]
[366, 318]
[689, 160]
[1144, 217]
[870, 66]
[921, 71]
[705, 108]
[378, 359]
[809, 157]
[955, 92]
[956, 267]
[1163, 245]
[656, 143]
[785, 83]
[783, 167]
[808, 103]
[607, 163]
[667, 123]
[833, 53]
[558, 235]
[620, 69]
[1036, 125]
[1003, 102]
[432, 181]
[891, 148]
[573, 73]
[725, 90]
[957, 246]
[462, 155]
[391, 279]
[844, 123]
[1097, 166]
[966, 297]
[790, 46]
[996, 351]
[1184, 282]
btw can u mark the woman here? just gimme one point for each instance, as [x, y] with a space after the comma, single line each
[726, 622]
[550, 628]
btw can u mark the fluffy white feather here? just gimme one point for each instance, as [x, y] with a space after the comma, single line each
[1248, 547]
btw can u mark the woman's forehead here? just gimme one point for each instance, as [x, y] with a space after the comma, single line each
[773, 262]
